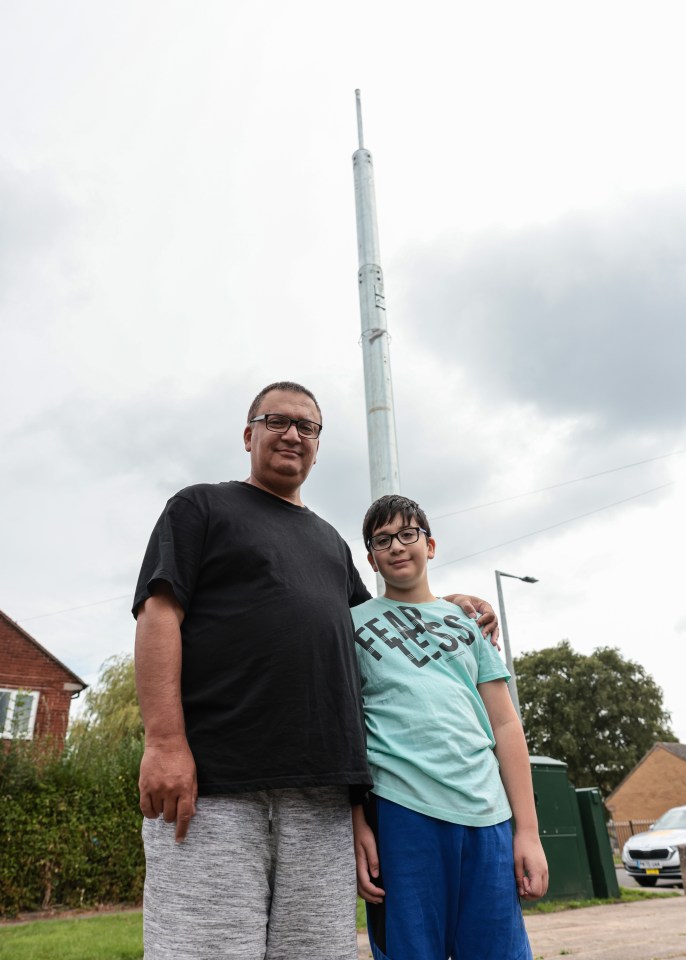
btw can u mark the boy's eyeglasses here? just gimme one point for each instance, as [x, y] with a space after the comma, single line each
[405, 536]
[279, 423]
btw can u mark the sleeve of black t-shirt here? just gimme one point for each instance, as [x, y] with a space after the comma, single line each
[174, 552]
[358, 592]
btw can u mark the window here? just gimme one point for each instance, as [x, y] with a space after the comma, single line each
[17, 713]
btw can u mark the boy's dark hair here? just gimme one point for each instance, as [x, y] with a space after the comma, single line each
[287, 385]
[385, 508]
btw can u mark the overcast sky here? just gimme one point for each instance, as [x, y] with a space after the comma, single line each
[177, 229]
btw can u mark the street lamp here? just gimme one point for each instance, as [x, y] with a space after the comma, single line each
[506, 637]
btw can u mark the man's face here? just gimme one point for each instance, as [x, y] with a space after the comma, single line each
[281, 461]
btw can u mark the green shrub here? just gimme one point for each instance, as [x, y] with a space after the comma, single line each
[70, 825]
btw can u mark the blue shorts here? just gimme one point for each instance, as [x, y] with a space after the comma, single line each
[450, 889]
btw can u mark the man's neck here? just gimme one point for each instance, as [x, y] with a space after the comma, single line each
[292, 496]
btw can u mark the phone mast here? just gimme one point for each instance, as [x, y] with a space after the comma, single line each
[381, 437]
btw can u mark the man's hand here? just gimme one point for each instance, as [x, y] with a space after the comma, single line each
[531, 867]
[366, 858]
[168, 783]
[473, 606]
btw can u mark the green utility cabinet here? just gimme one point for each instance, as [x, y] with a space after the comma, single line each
[561, 831]
[603, 873]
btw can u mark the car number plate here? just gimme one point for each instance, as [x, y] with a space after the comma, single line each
[650, 866]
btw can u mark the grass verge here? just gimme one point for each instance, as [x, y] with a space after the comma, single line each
[626, 895]
[117, 936]
[361, 915]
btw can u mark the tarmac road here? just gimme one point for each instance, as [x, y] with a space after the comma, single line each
[625, 880]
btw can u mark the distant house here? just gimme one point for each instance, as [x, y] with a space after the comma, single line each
[35, 688]
[657, 782]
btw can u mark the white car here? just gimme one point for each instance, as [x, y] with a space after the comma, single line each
[653, 855]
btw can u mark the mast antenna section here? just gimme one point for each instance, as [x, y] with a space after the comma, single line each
[358, 101]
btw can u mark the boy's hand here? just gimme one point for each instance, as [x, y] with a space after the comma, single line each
[531, 867]
[473, 606]
[366, 858]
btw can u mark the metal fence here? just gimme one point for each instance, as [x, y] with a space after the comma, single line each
[621, 830]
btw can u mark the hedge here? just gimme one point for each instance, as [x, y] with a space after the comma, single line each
[69, 826]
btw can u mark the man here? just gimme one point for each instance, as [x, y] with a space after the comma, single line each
[249, 691]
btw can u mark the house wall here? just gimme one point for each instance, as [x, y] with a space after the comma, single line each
[24, 666]
[655, 785]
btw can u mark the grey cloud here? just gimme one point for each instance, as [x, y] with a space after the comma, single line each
[583, 317]
[166, 441]
[169, 439]
[461, 444]
[35, 214]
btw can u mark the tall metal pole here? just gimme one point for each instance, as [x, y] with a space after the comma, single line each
[514, 693]
[381, 437]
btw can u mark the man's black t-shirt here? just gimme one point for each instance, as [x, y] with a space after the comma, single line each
[269, 684]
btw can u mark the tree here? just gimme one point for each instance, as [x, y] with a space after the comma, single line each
[111, 713]
[599, 714]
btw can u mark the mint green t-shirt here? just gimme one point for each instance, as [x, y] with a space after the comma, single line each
[429, 740]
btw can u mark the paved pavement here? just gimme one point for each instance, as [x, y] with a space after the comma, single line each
[647, 930]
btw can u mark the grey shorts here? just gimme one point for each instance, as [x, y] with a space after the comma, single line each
[261, 876]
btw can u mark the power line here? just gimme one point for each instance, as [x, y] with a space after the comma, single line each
[561, 523]
[95, 603]
[563, 483]
[552, 486]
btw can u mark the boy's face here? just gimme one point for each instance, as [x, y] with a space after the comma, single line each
[402, 565]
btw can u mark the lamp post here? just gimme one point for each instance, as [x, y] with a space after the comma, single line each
[506, 637]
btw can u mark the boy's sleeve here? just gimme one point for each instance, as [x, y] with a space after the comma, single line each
[491, 664]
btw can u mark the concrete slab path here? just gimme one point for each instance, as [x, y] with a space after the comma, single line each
[647, 930]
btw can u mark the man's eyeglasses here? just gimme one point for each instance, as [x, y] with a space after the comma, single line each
[278, 423]
[405, 536]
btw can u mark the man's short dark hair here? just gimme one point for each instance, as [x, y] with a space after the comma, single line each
[385, 508]
[286, 385]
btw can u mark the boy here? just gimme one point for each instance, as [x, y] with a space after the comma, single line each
[438, 713]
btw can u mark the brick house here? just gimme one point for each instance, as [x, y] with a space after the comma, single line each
[657, 782]
[35, 688]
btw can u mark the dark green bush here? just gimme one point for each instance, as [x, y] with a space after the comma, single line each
[70, 825]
